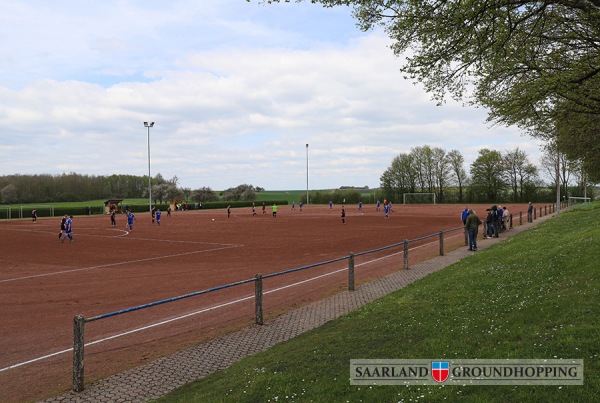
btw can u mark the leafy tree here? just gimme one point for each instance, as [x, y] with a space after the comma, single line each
[400, 177]
[423, 159]
[9, 194]
[440, 171]
[487, 175]
[159, 179]
[558, 167]
[459, 175]
[425, 169]
[204, 194]
[521, 173]
[241, 192]
[577, 137]
[166, 192]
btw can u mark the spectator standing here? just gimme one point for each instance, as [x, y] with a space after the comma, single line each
[495, 223]
[500, 213]
[343, 215]
[489, 221]
[506, 217]
[530, 212]
[464, 215]
[472, 226]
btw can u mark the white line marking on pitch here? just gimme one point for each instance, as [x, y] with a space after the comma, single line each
[187, 315]
[203, 310]
[117, 264]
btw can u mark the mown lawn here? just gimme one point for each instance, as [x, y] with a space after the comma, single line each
[535, 296]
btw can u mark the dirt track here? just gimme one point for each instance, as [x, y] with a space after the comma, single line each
[44, 283]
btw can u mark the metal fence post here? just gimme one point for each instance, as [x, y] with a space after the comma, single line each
[351, 272]
[441, 243]
[406, 254]
[520, 218]
[258, 300]
[78, 350]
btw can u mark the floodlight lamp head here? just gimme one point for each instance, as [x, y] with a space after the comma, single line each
[148, 124]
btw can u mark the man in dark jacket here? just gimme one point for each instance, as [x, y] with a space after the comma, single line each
[472, 226]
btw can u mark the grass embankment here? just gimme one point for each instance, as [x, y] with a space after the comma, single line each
[535, 295]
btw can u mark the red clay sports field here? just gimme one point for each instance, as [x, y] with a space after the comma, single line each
[45, 283]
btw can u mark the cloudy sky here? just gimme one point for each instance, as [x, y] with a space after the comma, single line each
[236, 89]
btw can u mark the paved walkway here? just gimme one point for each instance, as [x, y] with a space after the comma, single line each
[160, 377]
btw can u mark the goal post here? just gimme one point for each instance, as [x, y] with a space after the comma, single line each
[418, 198]
[43, 210]
[578, 201]
[5, 212]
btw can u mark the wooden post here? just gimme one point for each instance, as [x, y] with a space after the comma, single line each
[535, 214]
[258, 300]
[406, 255]
[510, 224]
[351, 272]
[441, 243]
[78, 353]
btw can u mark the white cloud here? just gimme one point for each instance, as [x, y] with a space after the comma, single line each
[236, 90]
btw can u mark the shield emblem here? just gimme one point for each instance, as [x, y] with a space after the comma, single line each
[440, 370]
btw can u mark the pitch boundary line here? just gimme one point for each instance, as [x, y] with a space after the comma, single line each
[118, 335]
[76, 233]
[119, 263]
[187, 315]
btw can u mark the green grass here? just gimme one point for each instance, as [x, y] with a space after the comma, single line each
[295, 195]
[535, 296]
[289, 195]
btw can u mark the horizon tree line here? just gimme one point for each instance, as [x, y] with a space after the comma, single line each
[494, 176]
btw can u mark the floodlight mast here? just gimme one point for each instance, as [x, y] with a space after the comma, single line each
[307, 201]
[148, 125]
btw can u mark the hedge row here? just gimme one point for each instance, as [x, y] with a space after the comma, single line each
[136, 208]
